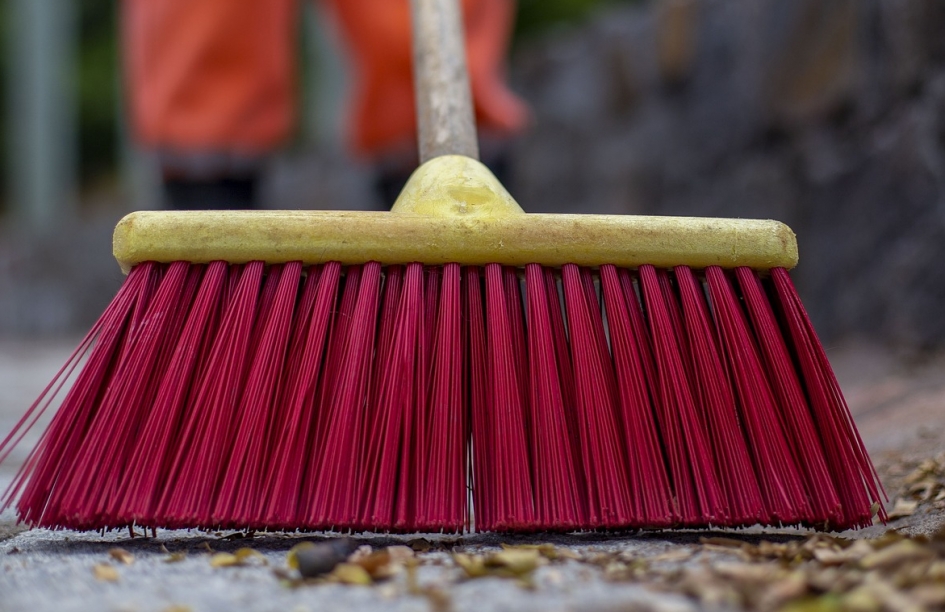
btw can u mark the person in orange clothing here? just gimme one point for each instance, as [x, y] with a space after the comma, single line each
[212, 87]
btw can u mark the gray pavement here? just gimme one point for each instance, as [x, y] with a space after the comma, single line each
[898, 408]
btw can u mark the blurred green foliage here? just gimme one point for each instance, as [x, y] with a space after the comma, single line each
[537, 16]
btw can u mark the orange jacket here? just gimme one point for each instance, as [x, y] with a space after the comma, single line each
[210, 75]
[377, 33]
[219, 75]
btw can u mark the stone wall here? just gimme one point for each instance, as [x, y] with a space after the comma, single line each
[826, 114]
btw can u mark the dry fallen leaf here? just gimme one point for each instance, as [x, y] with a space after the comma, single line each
[929, 595]
[121, 555]
[787, 588]
[105, 572]
[360, 552]
[672, 556]
[903, 507]
[511, 562]
[861, 599]
[349, 573]
[851, 554]
[515, 560]
[473, 565]
[224, 560]
[383, 563]
[175, 557]
[239, 558]
[895, 555]
[548, 551]
[721, 542]
[420, 545]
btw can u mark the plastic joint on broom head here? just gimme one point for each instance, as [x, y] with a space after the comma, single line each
[452, 210]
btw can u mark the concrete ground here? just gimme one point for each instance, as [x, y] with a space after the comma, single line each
[899, 407]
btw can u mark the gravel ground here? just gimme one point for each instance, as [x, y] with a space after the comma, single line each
[898, 406]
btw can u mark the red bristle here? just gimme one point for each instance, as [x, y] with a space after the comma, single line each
[431, 293]
[148, 469]
[42, 403]
[443, 500]
[480, 405]
[778, 476]
[66, 503]
[387, 326]
[422, 435]
[241, 499]
[516, 305]
[335, 498]
[650, 492]
[415, 445]
[391, 291]
[674, 312]
[647, 363]
[505, 447]
[640, 334]
[699, 498]
[388, 489]
[292, 445]
[335, 348]
[853, 473]
[566, 377]
[98, 468]
[557, 494]
[286, 420]
[806, 444]
[714, 391]
[232, 282]
[603, 456]
[206, 437]
[44, 472]
[255, 406]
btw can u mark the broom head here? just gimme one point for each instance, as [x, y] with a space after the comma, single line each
[366, 371]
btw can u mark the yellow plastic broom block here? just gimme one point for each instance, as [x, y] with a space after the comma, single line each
[452, 210]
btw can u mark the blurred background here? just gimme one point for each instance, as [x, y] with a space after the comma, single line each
[826, 114]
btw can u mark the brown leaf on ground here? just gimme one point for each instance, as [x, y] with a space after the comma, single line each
[122, 556]
[382, 564]
[105, 572]
[350, 573]
[241, 557]
[511, 562]
[516, 560]
[903, 507]
[896, 555]
[673, 556]
[548, 551]
[175, 557]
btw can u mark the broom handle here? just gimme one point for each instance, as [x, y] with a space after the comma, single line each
[446, 123]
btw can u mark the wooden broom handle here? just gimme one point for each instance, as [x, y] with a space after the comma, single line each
[446, 124]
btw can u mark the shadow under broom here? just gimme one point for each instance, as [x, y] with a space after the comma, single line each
[354, 370]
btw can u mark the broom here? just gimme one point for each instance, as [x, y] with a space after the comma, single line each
[357, 370]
